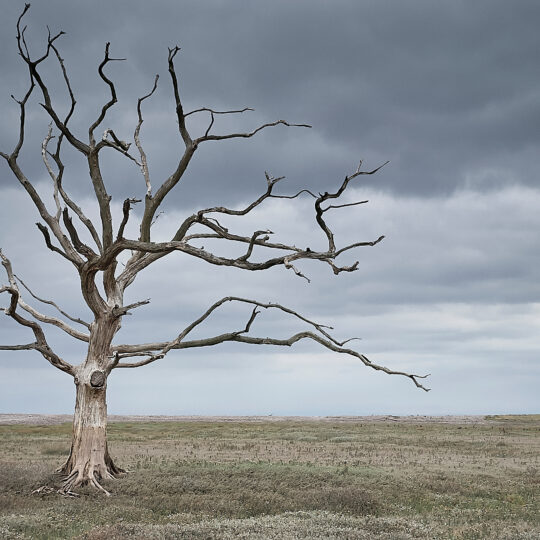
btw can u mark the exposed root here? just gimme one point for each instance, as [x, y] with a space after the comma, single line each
[68, 468]
[78, 478]
[48, 490]
[84, 476]
[89, 473]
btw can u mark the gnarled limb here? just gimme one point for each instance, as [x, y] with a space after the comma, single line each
[81, 247]
[112, 89]
[116, 144]
[58, 187]
[26, 347]
[51, 303]
[180, 116]
[144, 258]
[40, 344]
[71, 257]
[35, 76]
[319, 210]
[144, 163]
[54, 321]
[163, 248]
[156, 351]
[126, 208]
[213, 113]
[329, 345]
[152, 203]
[52, 222]
[246, 135]
[49, 319]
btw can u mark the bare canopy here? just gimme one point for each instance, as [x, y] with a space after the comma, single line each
[89, 460]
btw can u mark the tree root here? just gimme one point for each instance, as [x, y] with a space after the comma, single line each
[88, 473]
[48, 490]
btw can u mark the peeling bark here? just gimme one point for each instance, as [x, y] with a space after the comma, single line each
[89, 460]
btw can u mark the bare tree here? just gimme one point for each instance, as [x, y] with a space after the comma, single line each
[89, 460]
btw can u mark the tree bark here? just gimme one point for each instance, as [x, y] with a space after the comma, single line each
[89, 459]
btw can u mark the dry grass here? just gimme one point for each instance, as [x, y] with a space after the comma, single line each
[285, 479]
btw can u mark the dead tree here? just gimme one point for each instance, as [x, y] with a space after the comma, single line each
[89, 460]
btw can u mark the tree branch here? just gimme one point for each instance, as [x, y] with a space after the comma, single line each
[319, 211]
[163, 248]
[51, 303]
[329, 345]
[141, 260]
[152, 203]
[145, 258]
[28, 347]
[179, 109]
[82, 248]
[206, 109]
[112, 88]
[247, 135]
[144, 163]
[35, 76]
[53, 176]
[322, 337]
[79, 213]
[41, 344]
[57, 182]
[126, 207]
[81, 336]
[116, 144]
[124, 310]
[47, 237]
[166, 346]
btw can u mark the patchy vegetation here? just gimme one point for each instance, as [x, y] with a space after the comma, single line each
[283, 479]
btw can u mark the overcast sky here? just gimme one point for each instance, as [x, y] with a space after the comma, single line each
[448, 92]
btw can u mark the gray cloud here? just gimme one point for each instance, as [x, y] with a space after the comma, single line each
[447, 92]
[455, 279]
[440, 90]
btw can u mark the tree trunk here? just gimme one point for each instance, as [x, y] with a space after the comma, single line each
[89, 460]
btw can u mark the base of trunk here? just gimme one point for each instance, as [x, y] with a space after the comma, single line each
[88, 468]
[89, 461]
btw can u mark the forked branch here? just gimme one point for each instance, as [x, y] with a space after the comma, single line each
[319, 210]
[152, 203]
[180, 116]
[40, 344]
[246, 135]
[147, 254]
[51, 303]
[36, 77]
[144, 163]
[113, 99]
[158, 350]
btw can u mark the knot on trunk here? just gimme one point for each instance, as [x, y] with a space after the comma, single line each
[97, 379]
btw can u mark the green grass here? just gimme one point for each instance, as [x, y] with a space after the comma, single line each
[284, 479]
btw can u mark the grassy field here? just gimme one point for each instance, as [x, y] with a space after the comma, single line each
[284, 480]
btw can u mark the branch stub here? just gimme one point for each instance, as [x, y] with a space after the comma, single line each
[97, 379]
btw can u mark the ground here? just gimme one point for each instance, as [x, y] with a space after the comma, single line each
[283, 478]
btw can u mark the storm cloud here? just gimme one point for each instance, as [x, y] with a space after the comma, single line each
[447, 92]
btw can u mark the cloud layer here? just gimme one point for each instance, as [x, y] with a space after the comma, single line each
[442, 294]
[447, 92]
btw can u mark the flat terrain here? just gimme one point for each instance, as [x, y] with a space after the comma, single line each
[283, 478]
[48, 419]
